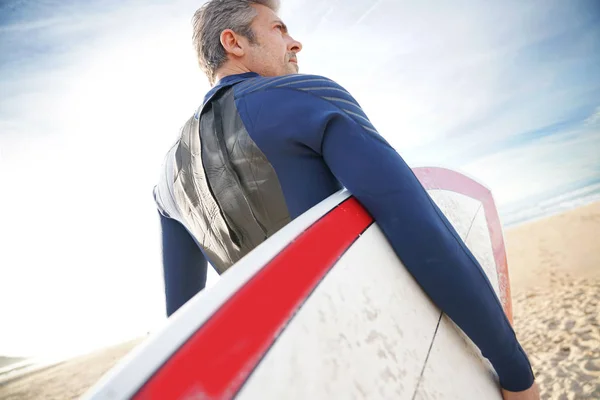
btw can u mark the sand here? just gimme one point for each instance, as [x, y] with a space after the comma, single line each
[68, 380]
[554, 266]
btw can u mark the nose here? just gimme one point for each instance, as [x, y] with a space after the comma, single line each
[294, 45]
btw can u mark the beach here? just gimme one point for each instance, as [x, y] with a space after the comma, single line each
[554, 267]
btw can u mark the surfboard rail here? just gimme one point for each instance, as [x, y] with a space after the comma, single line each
[447, 179]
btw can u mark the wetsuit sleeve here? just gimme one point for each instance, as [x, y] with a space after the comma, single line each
[426, 243]
[184, 265]
[320, 115]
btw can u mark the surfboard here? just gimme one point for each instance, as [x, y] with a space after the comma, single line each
[325, 309]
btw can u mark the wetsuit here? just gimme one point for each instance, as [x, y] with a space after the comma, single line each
[262, 151]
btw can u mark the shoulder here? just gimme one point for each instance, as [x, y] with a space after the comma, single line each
[308, 90]
[316, 85]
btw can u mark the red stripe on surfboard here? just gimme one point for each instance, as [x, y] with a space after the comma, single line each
[216, 361]
[446, 179]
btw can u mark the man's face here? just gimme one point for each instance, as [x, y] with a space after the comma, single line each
[274, 54]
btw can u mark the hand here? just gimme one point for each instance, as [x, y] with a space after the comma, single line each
[533, 393]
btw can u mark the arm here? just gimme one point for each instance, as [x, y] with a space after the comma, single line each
[426, 242]
[320, 115]
[184, 265]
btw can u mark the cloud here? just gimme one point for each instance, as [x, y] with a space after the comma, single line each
[544, 167]
[594, 119]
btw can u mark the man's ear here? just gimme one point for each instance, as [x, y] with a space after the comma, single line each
[231, 43]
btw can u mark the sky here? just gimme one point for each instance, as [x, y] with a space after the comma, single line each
[93, 93]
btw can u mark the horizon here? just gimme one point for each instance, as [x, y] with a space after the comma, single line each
[93, 95]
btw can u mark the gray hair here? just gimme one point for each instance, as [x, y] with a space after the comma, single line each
[212, 19]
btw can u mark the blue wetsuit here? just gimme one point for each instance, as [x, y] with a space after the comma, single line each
[316, 138]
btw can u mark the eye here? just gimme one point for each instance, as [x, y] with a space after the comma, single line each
[281, 27]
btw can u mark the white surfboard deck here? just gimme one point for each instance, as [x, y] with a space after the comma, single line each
[325, 310]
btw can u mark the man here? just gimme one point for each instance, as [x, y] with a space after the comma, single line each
[268, 144]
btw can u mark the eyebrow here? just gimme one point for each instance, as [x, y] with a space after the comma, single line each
[278, 21]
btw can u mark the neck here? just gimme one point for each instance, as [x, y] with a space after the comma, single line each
[230, 68]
